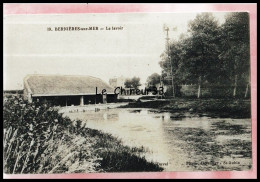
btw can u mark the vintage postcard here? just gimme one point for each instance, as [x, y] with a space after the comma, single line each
[113, 92]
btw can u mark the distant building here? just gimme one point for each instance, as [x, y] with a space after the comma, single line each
[66, 90]
[117, 82]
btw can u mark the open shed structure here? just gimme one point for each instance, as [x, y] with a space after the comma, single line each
[67, 90]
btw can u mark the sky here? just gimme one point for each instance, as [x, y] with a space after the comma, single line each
[133, 51]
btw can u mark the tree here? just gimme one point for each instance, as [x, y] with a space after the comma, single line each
[176, 58]
[154, 79]
[202, 49]
[128, 83]
[235, 49]
[136, 82]
[133, 83]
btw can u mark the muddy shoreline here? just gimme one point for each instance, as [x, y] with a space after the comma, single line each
[223, 108]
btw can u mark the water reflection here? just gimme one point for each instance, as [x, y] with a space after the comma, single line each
[182, 142]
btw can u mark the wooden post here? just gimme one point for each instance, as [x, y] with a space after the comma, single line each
[104, 99]
[199, 89]
[235, 87]
[246, 90]
[82, 100]
[30, 98]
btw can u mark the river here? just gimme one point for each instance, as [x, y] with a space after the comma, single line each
[178, 142]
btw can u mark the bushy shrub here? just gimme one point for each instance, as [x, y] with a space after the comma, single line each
[37, 139]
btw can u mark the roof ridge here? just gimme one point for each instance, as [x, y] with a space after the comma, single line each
[64, 84]
[28, 75]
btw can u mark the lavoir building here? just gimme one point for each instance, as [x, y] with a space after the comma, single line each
[65, 90]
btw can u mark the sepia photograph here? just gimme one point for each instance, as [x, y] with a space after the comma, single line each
[127, 92]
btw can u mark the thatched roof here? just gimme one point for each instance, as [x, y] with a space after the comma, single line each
[48, 85]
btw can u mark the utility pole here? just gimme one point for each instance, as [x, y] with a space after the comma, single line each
[169, 57]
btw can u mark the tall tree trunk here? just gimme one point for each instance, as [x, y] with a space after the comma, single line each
[246, 90]
[235, 87]
[199, 89]
[173, 88]
[177, 91]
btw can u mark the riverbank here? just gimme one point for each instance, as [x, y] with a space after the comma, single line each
[231, 108]
[39, 140]
[113, 156]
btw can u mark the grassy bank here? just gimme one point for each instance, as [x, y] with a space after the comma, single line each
[234, 108]
[37, 139]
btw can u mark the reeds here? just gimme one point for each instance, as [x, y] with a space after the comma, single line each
[37, 139]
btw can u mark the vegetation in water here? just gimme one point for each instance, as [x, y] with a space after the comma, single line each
[231, 108]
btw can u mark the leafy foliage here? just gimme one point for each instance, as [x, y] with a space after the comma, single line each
[153, 79]
[133, 83]
[202, 50]
[211, 54]
[38, 139]
[235, 53]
